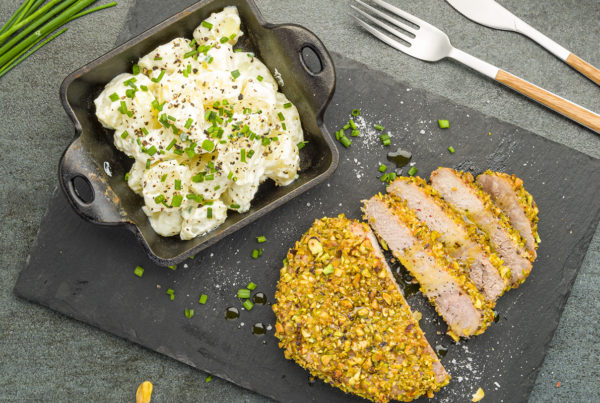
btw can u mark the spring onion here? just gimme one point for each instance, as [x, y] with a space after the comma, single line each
[255, 254]
[301, 145]
[382, 168]
[379, 128]
[248, 305]
[287, 105]
[243, 293]
[189, 313]
[171, 294]
[261, 239]
[346, 142]
[203, 299]
[385, 139]
[124, 135]
[139, 271]
[208, 145]
[328, 269]
[114, 97]
[173, 267]
[208, 379]
[451, 149]
[355, 133]
[355, 112]
[235, 74]
[251, 286]
[412, 171]
[207, 24]
[260, 78]
[224, 39]
[352, 124]
[177, 200]
[444, 124]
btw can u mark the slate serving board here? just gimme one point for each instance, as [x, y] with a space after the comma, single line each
[86, 271]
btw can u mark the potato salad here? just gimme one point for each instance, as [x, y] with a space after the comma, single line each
[206, 126]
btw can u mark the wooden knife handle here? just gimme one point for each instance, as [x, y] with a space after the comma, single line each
[566, 108]
[584, 68]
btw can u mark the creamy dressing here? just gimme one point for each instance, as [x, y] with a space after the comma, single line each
[205, 125]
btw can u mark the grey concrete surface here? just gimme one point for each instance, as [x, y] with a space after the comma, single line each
[46, 357]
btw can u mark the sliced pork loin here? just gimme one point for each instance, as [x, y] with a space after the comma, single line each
[463, 241]
[341, 315]
[454, 296]
[459, 189]
[508, 193]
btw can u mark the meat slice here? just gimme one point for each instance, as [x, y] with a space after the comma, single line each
[459, 189]
[454, 296]
[341, 315]
[508, 192]
[462, 240]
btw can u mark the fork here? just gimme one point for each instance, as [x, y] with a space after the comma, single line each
[426, 42]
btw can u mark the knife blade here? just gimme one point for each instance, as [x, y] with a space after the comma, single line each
[491, 14]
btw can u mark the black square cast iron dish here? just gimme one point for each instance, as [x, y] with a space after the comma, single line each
[102, 198]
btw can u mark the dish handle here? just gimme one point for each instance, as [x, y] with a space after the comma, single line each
[86, 187]
[314, 61]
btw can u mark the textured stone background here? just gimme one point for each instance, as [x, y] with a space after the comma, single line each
[46, 357]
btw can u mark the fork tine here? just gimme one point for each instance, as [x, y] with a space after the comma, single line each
[385, 26]
[386, 17]
[383, 37]
[401, 13]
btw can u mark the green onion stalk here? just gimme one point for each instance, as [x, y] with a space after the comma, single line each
[33, 25]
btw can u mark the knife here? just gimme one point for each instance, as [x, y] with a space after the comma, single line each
[493, 15]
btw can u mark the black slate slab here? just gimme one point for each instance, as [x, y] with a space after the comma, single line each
[86, 272]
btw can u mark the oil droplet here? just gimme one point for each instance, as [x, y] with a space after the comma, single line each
[259, 298]
[232, 313]
[400, 157]
[405, 281]
[259, 329]
[441, 350]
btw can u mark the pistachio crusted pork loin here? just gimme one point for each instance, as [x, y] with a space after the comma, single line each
[442, 279]
[341, 315]
[462, 240]
[465, 195]
[508, 193]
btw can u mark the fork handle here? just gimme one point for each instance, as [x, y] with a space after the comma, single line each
[584, 68]
[566, 108]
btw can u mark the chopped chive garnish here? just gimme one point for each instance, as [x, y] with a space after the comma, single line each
[266, 141]
[235, 206]
[124, 135]
[235, 74]
[160, 77]
[189, 313]
[209, 212]
[177, 184]
[139, 271]
[451, 149]
[346, 142]
[208, 145]
[352, 124]
[444, 124]
[164, 178]
[355, 112]
[288, 105]
[191, 152]
[224, 39]
[114, 97]
[412, 171]
[328, 269]
[379, 127]
[207, 24]
[127, 177]
[144, 88]
[178, 151]
[190, 54]
[171, 144]
[159, 199]
[171, 118]
[203, 299]
[382, 168]
[189, 122]
[355, 133]
[260, 78]
[251, 286]
[135, 69]
[171, 293]
[283, 126]
[173, 267]
[248, 305]
[385, 178]
[208, 379]
[243, 293]
[281, 117]
[301, 145]
[177, 200]
[157, 57]
[250, 154]
[145, 131]
[151, 151]
[148, 163]
[192, 43]
[261, 239]
[346, 126]
[385, 139]
[255, 254]
[243, 155]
